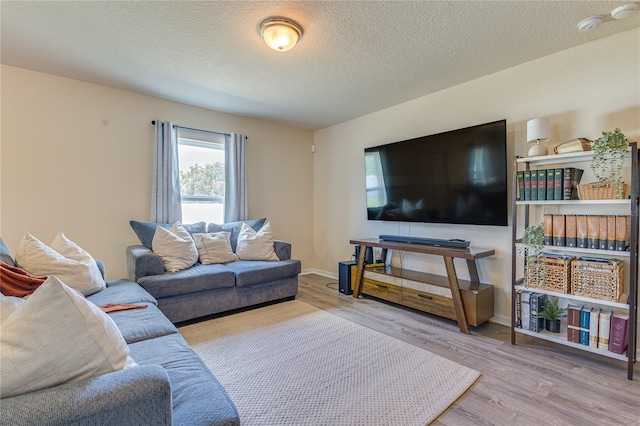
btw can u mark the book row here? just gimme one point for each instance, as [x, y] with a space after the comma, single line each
[600, 232]
[597, 328]
[594, 327]
[549, 184]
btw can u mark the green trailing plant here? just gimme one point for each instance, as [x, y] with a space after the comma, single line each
[533, 239]
[609, 153]
[532, 244]
[551, 311]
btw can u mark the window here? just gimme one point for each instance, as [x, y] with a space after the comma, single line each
[202, 174]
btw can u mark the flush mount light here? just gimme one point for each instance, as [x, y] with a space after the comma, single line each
[280, 33]
[588, 24]
[624, 11]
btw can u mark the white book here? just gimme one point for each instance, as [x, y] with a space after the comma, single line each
[594, 322]
[603, 335]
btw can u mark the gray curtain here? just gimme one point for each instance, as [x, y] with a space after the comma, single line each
[235, 182]
[165, 193]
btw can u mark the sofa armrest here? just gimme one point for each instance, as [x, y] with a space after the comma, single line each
[282, 249]
[134, 396]
[142, 262]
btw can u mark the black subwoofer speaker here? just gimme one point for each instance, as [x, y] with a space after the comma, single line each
[344, 276]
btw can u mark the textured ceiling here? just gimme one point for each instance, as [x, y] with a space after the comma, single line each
[355, 57]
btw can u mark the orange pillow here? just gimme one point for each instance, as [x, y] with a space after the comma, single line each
[18, 282]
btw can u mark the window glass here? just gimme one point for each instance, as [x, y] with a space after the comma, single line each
[201, 163]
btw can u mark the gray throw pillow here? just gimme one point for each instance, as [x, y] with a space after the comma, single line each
[5, 256]
[235, 227]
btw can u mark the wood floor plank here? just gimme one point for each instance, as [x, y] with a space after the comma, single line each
[534, 382]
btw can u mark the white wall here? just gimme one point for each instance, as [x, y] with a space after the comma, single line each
[76, 157]
[583, 90]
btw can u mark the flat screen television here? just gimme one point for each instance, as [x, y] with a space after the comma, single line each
[455, 177]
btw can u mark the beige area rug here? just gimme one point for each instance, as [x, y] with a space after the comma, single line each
[293, 364]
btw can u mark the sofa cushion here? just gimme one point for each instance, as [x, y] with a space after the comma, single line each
[197, 278]
[122, 291]
[256, 272]
[235, 227]
[142, 324]
[146, 230]
[73, 265]
[56, 336]
[5, 255]
[198, 398]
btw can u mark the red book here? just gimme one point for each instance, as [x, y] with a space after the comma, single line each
[619, 333]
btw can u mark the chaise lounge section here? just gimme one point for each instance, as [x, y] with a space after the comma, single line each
[170, 385]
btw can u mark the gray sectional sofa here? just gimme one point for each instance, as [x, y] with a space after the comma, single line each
[203, 290]
[170, 386]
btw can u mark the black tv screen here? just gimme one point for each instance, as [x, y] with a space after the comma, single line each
[455, 177]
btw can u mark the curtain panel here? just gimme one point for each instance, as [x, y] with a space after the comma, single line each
[165, 193]
[235, 183]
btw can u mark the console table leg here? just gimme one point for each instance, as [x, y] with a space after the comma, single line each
[455, 295]
[359, 272]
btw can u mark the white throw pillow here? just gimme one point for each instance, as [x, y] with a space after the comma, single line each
[175, 246]
[214, 247]
[63, 258]
[56, 336]
[254, 245]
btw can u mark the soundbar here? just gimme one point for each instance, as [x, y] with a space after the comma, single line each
[425, 241]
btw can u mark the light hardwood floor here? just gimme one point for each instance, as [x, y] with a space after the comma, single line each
[531, 383]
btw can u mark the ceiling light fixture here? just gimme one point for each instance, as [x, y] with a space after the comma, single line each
[624, 11]
[590, 23]
[280, 33]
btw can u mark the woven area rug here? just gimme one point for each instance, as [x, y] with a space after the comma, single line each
[293, 364]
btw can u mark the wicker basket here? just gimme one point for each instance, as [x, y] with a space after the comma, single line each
[600, 191]
[550, 273]
[598, 279]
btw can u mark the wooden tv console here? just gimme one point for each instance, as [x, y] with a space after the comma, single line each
[466, 301]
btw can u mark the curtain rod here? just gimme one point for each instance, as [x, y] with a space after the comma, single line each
[196, 130]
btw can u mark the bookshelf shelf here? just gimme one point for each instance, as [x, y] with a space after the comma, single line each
[527, 212]
[617, 305]
[573, 202]
[561, 338]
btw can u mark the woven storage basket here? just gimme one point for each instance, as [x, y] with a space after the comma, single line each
[599, 191]
[550, 273]
[598, 279]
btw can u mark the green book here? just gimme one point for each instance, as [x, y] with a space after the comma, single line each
[521, 185]
[527, 185]
[542, 184]
[551, 184]
[558, 191]
[534, 185]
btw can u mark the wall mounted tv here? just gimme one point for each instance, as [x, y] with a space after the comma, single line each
[455, 177]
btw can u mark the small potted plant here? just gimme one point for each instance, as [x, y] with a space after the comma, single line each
[609, 153]
[552, 313]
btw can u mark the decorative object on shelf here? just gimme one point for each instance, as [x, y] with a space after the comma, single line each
[550, 271]
[552, 313]
[280, 33]
[573, 145]
[609, 152]
[538, 130]
[530, 247]
[598, 278]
